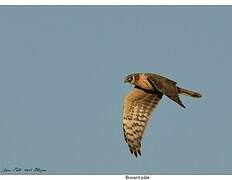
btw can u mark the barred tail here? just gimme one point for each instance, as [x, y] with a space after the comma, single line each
[188, 93]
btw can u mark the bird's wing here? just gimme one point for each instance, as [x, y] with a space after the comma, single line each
[138, 106]
[165, 86]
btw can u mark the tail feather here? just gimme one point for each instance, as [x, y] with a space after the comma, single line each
[188, 92]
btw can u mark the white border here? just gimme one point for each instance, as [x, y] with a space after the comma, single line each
[115, 2]
[117, 177]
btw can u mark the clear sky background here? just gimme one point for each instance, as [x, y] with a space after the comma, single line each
[62, 90]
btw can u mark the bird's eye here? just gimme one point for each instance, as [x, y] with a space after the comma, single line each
[130, 78]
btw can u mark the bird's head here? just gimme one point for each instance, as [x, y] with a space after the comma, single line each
[131, 78]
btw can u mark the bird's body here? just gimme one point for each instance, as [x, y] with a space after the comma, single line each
[142, 100]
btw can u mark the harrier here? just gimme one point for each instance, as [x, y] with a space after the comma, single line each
[142, 100]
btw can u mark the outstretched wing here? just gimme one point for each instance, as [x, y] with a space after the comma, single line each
[138, 106]
[165, 86]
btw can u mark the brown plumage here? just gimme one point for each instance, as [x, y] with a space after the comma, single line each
[142, 100]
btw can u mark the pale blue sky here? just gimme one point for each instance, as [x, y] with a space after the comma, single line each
[61, 93]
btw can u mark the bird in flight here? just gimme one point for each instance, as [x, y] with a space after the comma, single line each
[142, 100]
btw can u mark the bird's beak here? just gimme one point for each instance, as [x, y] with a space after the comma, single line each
[125, 80]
